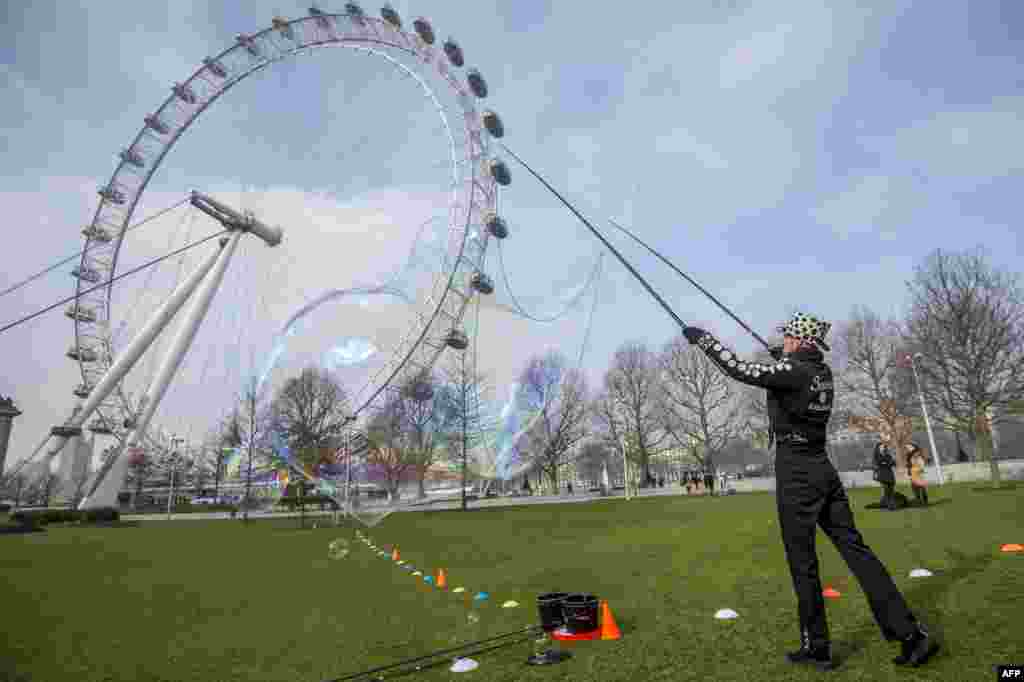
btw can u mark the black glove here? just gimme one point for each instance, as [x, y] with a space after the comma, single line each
[775, 352]
[693, 334]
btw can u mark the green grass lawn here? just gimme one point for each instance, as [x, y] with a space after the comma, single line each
[219, 601]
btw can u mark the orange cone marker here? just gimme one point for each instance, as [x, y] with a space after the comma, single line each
[830, 593]
[609, 628]
[442, 579]
[394, 554]
[1012, 547]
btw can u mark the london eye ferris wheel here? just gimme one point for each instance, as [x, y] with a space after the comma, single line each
[439, 69]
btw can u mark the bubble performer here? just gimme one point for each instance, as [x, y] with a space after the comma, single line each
[810, 493]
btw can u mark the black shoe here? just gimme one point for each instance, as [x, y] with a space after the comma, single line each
[819, 656]
[916, 649]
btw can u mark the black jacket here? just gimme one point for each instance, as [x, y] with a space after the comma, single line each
[884, 464]
[800, 391]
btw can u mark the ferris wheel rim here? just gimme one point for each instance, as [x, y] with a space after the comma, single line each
[375, 36]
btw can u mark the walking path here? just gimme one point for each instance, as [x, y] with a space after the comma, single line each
[428, 506]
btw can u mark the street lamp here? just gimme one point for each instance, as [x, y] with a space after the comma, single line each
[174, 467]
[927, 421]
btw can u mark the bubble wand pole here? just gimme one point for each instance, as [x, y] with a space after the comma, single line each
[682, 274]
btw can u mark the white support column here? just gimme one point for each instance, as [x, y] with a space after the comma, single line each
[109, 481]
[127, 358]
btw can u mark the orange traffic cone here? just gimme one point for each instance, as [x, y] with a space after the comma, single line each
[830, 592]
[394, 554]
[442, 579]
[1012, 547]
[609, 628]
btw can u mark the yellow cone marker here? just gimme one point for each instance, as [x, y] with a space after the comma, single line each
[459, 589]
[510, 604]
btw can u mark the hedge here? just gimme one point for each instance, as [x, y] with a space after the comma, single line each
[42, 517]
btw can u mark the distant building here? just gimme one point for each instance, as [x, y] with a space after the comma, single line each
[7, 414]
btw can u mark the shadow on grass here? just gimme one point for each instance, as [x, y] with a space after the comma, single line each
[20, 530]
[910, 505]
[926, 596]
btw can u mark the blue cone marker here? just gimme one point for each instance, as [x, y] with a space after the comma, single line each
[481, 596]
[428, 578]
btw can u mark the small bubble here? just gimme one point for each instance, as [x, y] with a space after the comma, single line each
[338, 549]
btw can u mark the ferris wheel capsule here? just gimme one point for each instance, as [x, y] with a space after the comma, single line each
[477, 83]
[154, 123]
[81, 313]
[388, 14]
[82, 354]
[496, 225]
[249, 44]
[86, 273]
[500, 172]
[283, 27]
[454, 53]
[421, 390]
[457, 339]
[184, 93]
[481, 283]
[133, 157]
[97, 233]
[215, 67]
[356, 12]
[424, 30]
[112, 194]
[493, 123]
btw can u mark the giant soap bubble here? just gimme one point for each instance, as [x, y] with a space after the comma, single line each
[406, 450]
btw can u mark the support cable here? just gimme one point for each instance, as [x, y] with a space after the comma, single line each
[15, 287]
[148, 264]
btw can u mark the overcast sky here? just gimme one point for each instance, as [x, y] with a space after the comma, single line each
[784, 154]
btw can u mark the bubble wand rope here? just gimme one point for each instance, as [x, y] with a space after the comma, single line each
[597, 234]
[441, 652]
[682, 274]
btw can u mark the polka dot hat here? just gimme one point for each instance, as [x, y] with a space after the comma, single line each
[807, 328]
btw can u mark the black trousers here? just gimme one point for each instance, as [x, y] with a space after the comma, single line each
[920, 494]
[809, 494]
[888, 494]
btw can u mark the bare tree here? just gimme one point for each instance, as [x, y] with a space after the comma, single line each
[45, 486]
[966, 318]
[701, 407]
[140, 467]
[14, 485]
[629, 410]
[557, 395]
[594, 457]
[256, 419]
[232, 436]
[461, 420]
[875, 389]
[75, 487]
[388, 444]
[311, 409]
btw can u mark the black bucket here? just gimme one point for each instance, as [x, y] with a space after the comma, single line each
[581, 613]
[550, 607]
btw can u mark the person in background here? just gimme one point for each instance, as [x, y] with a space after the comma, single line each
[709, 481]
[884, 465]
[915, 468]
